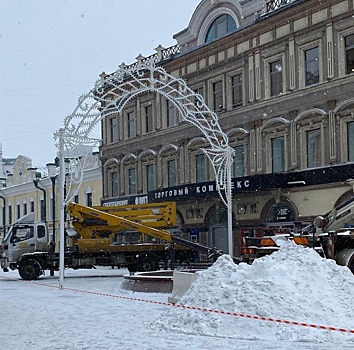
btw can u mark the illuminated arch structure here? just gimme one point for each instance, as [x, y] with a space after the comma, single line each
[109, 96]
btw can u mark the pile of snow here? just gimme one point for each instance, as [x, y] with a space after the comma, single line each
[293, 284]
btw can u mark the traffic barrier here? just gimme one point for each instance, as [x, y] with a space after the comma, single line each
[203, 309]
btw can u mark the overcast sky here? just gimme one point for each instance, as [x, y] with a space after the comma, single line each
[52, 51]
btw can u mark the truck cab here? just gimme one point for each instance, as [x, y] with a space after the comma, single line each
[24, 236]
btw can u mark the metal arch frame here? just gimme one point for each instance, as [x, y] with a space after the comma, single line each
[110, 95]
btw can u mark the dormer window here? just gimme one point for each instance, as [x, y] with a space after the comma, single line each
[221, 26]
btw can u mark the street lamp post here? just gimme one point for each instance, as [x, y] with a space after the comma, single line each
[44, 209]
[3, 213]
[52, 173]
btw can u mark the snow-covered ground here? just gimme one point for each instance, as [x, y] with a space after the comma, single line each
[92, 312]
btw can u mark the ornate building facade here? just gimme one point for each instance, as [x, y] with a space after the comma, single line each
[280, 76]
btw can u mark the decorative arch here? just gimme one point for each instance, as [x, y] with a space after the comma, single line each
[146, 153]
[110, 95]
[128, 157]
[167, 147]
[344, 105]
[310, 112]
[195, 140]
[111, 161]
[278, 120]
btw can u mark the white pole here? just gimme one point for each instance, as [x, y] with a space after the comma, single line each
[62, 208]
[229, 204]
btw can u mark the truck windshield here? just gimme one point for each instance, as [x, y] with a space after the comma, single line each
[22, 233]
[9, 233]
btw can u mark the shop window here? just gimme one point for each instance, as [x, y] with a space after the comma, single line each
[349, 52]
[276, 78]
[200, 174]
[278, 151]
[236, 87]
[220, 27]
[150, 177]
[132, 181]
[312, 67]
[171, 173]
[313, 140]
[131, 121]
[239, 161]
[350, 141]
[280, 213]
[217, 95]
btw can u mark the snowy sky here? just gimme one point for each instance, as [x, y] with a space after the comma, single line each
[52, 51]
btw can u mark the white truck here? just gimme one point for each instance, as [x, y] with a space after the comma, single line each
[27, 248]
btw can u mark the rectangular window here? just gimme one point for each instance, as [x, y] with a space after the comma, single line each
[217, 96]
[171, 114]
[276, 78]
[148, 119]
[278, 161]
[10, 214]
[236, 86]
[312, 67]
[113, 126]
[171, 173]
[349, 53]
[313, 148]
[200, 175]
[132, 181]
[32, 207]
[24, 208]
[89, 199]
[131, 124]
[42, 211]
[350, 141]
[198, 91]
[150, 177]
[114, 183]
[76, 199]
[18, 211]
[239, 161]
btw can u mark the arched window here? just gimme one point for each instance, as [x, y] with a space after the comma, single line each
[221, 26]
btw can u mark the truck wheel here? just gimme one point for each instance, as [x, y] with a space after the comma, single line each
[147, 263]
[29, 269]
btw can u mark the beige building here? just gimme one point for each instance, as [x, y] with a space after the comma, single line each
[27, 189]
[279, 74]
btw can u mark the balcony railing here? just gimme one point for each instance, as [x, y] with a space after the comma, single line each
[272, 5]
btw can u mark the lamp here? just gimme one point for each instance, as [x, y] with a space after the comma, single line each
[53, 174]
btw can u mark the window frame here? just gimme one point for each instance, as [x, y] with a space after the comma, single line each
[346, 117]
[130, 189]
[302, 62]
[131, 132]
[304, 146]
[267, 76]
[211, 94]
[230, 87]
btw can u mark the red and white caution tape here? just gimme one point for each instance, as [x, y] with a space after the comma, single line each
[222, 312]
